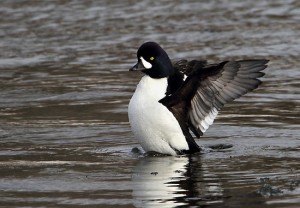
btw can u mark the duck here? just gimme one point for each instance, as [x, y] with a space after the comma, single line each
[177, 101]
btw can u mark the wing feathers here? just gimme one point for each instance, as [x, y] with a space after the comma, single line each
[208, 88]
[229, 82]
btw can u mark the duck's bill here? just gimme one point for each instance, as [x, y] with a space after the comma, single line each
[137, 67]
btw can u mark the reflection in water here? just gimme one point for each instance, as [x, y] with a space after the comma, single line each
[156, 181]
[199, 180]
[172, 181]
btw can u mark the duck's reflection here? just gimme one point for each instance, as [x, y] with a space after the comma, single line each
[172, 182]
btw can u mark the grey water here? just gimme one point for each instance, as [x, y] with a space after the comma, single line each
[65, 140]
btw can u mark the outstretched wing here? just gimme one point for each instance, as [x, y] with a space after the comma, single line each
[207, 88]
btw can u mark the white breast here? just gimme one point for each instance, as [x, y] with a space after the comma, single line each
[152, 123]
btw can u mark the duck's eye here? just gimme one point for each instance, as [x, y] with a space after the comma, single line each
[151, 58]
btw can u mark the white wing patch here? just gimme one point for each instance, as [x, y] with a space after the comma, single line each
[184, 77]
[208, 120]
[200, 118]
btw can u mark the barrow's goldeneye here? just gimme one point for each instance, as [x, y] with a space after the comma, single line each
[174, 99]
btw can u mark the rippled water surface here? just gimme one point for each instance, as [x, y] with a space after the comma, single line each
[64, 133]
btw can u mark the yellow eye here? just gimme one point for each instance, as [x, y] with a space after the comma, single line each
[151, 58]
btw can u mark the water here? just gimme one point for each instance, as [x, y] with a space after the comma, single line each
[65, 86]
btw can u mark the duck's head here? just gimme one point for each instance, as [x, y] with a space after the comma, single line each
[153, 61]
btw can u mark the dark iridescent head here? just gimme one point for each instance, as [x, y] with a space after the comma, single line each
[153, 61]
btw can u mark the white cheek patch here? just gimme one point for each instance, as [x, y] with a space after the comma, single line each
[145, 63]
